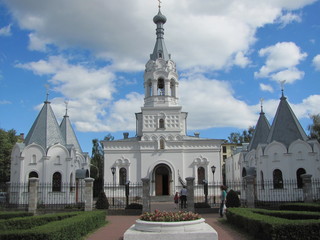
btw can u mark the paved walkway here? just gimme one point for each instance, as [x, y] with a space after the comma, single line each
[117, 225]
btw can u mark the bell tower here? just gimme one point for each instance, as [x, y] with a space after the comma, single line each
[161, 112]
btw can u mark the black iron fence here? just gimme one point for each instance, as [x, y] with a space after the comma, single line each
[14, 195]
[121, 196]
[63, 196]
[210, 192]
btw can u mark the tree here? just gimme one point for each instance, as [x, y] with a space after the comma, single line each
[7, 140]
[244, 137]
[314, 128]
[97, 163]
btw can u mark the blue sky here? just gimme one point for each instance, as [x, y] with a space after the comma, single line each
[229, 55]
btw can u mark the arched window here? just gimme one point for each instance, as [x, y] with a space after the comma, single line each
[161, 123]
[161, 143]
[150, 89]
[244, 172]
[161, 87]
[201, 175]
[122, 176]
[300, 171]
[56, 182]
[262, 180]
[277, 179]
[33, 175]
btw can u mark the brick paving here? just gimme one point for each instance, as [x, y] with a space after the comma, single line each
[117, 225]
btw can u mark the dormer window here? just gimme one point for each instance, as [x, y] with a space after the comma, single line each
[160, 55]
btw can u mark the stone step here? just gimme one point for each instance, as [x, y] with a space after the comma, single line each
[166, 198]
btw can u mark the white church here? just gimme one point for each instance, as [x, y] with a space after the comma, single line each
[278, 154]
[51, 153]
[161, 150]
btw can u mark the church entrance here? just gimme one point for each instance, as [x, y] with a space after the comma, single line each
[162, 175]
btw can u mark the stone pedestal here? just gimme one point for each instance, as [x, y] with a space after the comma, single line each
[186, 230]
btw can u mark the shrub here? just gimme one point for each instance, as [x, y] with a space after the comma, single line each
[201, 205]
[312, 207]
[134, 206]
[8, 215]
[159, 216]
[269, 226]
[102, 201]
[72, 228]
[232, 199]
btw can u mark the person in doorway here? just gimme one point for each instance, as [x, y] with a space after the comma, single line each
[223, 199]
[176, 200]
[183, 197]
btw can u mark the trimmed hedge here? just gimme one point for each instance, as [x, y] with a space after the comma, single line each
[134, 206]
[8, 215]
[201, 205]
[266, 227]
[313, 207]
[33, 221]
[72, 228]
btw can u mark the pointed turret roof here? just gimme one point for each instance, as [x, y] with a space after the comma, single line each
[45, 130]
[68, 133]
[285, 127]
[261, 132]
[160, 50]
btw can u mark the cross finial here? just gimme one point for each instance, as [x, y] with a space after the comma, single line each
[261, 104]
[66, 103]
[282, 86]
[159, 4]
[47, 86]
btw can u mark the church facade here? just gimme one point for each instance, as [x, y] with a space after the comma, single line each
[52, 154]
[161, 150]
[277, 156]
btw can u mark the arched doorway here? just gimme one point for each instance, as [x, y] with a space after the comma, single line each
[162, 175]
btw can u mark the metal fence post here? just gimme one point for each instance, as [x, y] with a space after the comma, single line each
[205, 191]
[190, 189]
[145, 195]
[307, 187]
[88, 194]
[249, 190]
[127, 193]
[33, 195]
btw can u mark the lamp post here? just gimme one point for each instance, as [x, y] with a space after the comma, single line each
[113, 170]
[213, 169]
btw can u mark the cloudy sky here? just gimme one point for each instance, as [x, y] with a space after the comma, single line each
[92, 54]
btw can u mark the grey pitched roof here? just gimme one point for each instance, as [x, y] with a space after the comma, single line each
[45, 130]
[68, 133]
[261, 132]
[160, 47]
[285, 127]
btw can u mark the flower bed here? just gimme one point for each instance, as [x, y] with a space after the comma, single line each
[170, 226]
[164, 216]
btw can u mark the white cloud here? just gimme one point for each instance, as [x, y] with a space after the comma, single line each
[5, 31]
[211, 35]
[288, 18]
[212, 104]
[266, 87]
[308, 106]
[316, 62]
[281, 61]
[123, 30]
[241, 60]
